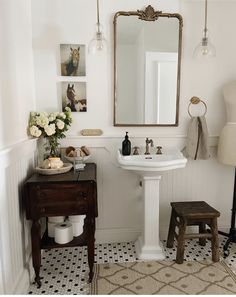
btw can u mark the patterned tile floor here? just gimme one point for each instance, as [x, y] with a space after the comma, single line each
[65, 271]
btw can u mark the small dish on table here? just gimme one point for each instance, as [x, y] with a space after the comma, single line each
[50, 171]
[78, 162]
[77, 157]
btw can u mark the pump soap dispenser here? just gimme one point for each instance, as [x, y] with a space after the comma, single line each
[126, 146]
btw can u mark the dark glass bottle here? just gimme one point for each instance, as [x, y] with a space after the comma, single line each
[126, 146]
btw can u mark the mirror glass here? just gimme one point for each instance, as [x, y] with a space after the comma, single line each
[147, 68]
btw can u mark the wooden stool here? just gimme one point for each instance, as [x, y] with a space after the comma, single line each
[189, 214]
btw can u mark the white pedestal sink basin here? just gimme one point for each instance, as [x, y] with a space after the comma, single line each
[149, 167]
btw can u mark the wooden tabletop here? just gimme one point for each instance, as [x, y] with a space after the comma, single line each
[87, 174]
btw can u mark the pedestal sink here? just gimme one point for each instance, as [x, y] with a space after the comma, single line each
[149, 167]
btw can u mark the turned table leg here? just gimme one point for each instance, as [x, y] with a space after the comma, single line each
[90, 222]
[36, 249]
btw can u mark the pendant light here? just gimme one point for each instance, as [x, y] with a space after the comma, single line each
[205, 49]
[98, 43]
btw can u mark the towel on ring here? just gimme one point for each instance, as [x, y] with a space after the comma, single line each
[197, 139]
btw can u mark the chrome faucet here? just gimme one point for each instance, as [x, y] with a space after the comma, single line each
[148, 141]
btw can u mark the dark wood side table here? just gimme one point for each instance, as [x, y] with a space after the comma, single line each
[71, 193]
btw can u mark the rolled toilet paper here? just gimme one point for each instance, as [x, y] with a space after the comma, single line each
[51, 229]
[77, 218]
[77, 224]
[77, 228]
[56, 220]
[63, 233]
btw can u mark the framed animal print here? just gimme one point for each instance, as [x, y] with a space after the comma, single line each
[73, 60]
[74, 96]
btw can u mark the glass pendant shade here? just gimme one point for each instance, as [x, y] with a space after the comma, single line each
[205, 49]
[98, 43]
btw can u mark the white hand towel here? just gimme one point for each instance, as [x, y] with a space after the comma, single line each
[197, 139]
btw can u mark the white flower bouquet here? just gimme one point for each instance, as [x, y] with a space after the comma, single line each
[52, 126]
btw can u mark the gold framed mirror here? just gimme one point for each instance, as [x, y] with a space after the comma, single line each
[147, 60]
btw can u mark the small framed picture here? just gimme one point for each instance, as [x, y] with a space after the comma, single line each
[73, 60]
[74, 96]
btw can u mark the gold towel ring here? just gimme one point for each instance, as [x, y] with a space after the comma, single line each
[196, 100]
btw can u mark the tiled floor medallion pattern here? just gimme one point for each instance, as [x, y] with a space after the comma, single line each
[65, 271]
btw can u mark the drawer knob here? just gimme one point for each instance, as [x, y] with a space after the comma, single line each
[82, 195]
[43, 210]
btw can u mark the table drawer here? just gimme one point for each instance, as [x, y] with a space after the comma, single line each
[65, 208]
[62, 193]
[53, 199]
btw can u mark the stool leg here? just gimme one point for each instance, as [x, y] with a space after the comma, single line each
[171, 232]
[215, 241]
[202, 229]
[180, 247]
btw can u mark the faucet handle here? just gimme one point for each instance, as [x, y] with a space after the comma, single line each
[159, 152]
[136, 152]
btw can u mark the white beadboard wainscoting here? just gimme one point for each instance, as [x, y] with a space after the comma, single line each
[17, 163]
[120, 195]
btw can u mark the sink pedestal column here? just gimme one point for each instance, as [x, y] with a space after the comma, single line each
[148, 246]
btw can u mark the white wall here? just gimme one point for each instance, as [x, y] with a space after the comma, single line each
[60, 21]
[205, 79]
[16, 71]
[119, 195]
[16, 151]
[72, 21]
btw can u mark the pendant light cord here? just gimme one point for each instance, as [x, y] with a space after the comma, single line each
[205, 28]
[98, 19]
